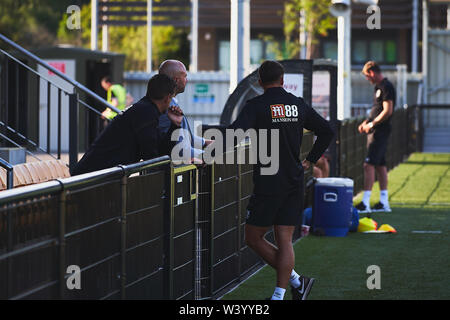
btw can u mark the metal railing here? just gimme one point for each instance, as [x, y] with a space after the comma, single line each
[9, 173]
[21, 115]
[166, 233]
[104, 222]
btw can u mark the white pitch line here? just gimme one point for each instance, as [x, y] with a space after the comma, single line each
[425, 231]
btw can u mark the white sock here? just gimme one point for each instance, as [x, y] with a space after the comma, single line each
[384, 199]
[278, 294]
[366, 197]
[294, 280]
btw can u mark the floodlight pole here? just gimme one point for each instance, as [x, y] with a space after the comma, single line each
[415, 28]
[94, 25]
[105, 42]
[105, 30]
[240, 41]
[425, 50]
[302, 34]
[194, 36]
[344, 94]
[149, 35]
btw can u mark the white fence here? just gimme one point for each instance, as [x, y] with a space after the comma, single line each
[207, 92]
[438, 80]
[203, 99]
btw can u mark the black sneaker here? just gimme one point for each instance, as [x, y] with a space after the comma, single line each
[302, 292]
[379, 207]
[362, 208]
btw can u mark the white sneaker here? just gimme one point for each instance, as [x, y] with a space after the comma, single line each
[379, 207]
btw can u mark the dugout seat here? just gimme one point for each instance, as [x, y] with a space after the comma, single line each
[35, 172]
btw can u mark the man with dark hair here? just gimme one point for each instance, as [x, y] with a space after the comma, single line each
[277, 200]
[378, 128]
[134, 134]
[270, 72]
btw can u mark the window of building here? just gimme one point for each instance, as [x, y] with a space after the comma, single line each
[376, 50]
[260, 50]
[224, 55]
[382, 51]
[330, 50]
[359, 52]
[256, 51]
[391, 51]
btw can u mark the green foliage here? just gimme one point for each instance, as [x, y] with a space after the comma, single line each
[37, 23]
[318, 21]
[33, 23]
[168, 42]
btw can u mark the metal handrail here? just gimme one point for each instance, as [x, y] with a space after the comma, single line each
[2, 124]
[75, 83]
[77, 181]
[9, 173]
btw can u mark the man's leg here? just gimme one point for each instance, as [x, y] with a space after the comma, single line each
[322, 164]
[317, 173]
[369, 179]
[382, 176]
[285, 255]
[254, 237]
[369, 176]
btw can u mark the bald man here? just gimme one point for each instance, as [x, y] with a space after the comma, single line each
[177, 72]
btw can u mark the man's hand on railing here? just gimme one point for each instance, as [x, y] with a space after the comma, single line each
[207, 142]
[106, 113]
[175, 114]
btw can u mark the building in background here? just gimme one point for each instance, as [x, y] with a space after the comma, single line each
[391, 45]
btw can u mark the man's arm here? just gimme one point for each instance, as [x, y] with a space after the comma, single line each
[245, 120]
[321, 128]
[152, 142]
[388, 107]
[149, 141]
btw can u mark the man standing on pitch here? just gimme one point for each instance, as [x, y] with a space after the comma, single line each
[377, 127]
[277, 199]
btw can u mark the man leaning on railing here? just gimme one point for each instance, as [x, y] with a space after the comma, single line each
[134, 135]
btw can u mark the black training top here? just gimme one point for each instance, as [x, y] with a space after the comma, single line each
[383, 92]
[130, 137]
[278, 109]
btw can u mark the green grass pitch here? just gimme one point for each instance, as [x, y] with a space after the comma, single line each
[412, 265]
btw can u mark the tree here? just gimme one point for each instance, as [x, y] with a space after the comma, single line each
[32, 23]
[168, 42]
[318, 21]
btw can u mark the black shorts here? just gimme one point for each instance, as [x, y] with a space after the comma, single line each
[377, 143]
[284, 210]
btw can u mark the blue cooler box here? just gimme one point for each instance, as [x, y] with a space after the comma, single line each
[332, 206]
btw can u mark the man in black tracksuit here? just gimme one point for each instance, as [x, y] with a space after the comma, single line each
[277, 199]
[134, 135]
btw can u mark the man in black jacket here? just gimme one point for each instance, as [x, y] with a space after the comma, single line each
[277, 199]
[134, 135]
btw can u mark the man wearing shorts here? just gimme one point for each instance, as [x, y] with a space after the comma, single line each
[377, 127]
[277, 199]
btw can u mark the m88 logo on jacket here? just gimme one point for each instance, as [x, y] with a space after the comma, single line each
[284, 113]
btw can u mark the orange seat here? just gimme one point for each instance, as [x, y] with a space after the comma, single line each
[2, 178]
[35, 172]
